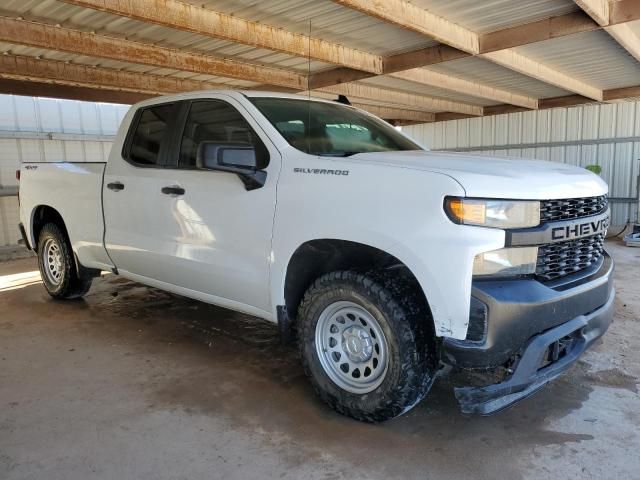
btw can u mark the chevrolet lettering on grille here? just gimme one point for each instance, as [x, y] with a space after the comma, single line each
[560, 231]
[579, 230]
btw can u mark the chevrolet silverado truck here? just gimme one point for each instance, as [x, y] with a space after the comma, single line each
[383, 260]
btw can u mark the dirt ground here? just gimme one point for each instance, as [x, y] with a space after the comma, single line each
[134, 383]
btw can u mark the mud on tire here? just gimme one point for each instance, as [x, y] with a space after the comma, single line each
[63, 282]
[401, 313]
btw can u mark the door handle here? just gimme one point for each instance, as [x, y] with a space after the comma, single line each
[173, 190]
[115, 186]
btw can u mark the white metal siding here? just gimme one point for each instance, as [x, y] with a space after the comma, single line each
[48, 130]
[607, 135]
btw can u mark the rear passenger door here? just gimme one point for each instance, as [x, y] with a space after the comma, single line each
[136, 220]
[221, 231]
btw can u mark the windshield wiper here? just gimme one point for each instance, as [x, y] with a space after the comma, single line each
[338, 154]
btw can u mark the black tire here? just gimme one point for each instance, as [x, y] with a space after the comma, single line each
[401, 312]
[70, 284]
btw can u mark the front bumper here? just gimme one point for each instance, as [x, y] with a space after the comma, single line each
[537, 330]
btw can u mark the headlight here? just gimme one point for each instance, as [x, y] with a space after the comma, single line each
[493, 213]
[506, 261]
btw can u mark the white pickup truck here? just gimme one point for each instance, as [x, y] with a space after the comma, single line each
[386, 260]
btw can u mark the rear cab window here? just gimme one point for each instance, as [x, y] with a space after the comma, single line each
[149, 129]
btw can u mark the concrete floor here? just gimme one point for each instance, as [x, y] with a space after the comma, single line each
[134, 383]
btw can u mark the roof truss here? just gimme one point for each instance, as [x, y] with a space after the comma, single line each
[129, 87]
[411, 17]
[52, 37]
[612, 15]
[210, 23]
[94, 45]
[354, 65]
[466, 87]
[351, 64]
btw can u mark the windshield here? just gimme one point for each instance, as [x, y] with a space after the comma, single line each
[327, 129]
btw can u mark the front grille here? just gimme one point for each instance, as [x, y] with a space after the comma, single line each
[570, 208]
[557, 260]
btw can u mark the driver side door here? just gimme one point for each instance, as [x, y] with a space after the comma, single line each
[221, 229]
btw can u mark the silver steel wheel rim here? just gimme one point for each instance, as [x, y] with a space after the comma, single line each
[53, 262]
[351, 347]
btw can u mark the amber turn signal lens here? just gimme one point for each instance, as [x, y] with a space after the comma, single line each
[466, 211]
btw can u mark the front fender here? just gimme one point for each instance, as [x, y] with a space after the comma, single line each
[396, 210]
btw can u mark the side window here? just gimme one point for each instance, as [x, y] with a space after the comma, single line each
[149, 131]
[214, 121]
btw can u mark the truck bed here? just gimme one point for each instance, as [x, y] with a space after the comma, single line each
[75, 191]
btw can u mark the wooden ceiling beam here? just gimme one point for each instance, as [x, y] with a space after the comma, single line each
[336, 76]
[621, 93]
[422, 58]
[601, 12]
[596, 9]
[621, 11]
[544, 104]
[210, 23]
[432, 79]
[383, 111]
[466, 87]
[394, 63]
[411, 100]
[446, 116]
[564, 101]
[41, 70]
[51, 37]
[626, 37]
[515, 61]
[411, 17]
[538, 31]
[69, 92]
[394, 113]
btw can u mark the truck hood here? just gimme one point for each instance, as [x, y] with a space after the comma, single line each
[497, 177]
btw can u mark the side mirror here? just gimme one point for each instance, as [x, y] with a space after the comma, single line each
[240, 157]
[243, 160]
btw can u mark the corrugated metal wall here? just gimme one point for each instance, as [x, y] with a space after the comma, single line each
[46, 130]
[607, 135]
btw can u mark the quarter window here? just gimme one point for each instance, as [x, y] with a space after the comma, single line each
[150, 131]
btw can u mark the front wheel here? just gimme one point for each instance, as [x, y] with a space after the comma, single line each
[57, 267]
[367, 343]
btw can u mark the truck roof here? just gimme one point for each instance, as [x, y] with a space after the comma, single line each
[238, 94]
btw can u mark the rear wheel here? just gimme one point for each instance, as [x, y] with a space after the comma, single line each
[367, 343]
[57, 266]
